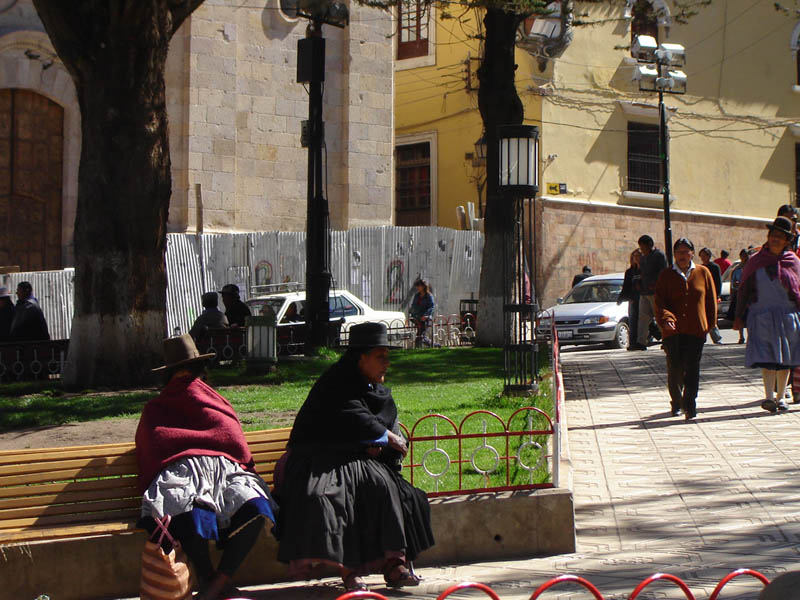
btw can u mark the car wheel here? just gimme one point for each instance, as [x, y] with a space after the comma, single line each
[622, 336]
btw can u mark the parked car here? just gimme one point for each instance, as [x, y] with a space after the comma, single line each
[725, 292]
[589, 314]
[289, 308]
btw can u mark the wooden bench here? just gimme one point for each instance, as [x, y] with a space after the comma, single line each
[57, 493]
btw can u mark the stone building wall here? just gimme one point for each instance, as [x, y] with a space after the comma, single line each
[573, 233]
[239, 128]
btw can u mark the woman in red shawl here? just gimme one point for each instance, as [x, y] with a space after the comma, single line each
[770, 293]
[195, 466]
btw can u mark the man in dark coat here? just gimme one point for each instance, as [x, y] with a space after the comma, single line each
[651, 264]
[716, 274]
[585, 272]
[6, 314]
[29, 324]
[235, 309]
[211, 317]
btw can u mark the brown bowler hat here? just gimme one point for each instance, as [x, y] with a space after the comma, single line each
[180, 351]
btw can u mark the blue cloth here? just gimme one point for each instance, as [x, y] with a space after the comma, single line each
[773, 326]
[421, 306]
[205, 523]
[381, 441]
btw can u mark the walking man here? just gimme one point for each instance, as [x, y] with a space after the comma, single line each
[585, 272]
[29, 324]
[686, 309]
[651, 264]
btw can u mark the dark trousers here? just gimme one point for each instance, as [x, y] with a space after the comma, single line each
[683, 370]
[235, 548]
[633, 319]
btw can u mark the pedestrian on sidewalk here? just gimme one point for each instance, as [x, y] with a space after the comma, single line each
[723, 262]
[651, 264]
[585, 272]
[686, 309]
[706, 256]
[770, 293]
[630, 294]
[736, 280]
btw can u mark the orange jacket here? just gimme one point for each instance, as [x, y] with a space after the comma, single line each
[690, 305]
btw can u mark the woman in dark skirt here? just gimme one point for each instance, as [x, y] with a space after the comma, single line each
[343, 500]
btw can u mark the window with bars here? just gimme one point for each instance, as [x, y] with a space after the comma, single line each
[412, 32]
[644, 21]
[644, 164]
[413, 184]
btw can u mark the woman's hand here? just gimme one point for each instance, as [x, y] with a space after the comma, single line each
[398, 443]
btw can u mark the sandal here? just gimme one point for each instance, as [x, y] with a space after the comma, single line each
[354, 583]
[397, 575]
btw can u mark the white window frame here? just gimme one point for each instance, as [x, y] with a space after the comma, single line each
[418, 61]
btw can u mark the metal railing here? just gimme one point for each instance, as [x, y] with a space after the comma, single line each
[483, 453]
[32, 360]
[577, 581]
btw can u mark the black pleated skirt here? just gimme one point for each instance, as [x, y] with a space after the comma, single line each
[350, 510]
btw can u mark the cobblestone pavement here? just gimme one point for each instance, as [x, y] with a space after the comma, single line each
[653, 493]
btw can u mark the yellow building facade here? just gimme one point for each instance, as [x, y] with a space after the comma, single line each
[436, 105]
[734, 136]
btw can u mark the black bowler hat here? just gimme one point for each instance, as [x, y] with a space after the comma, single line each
[369, 335]
[783, 225]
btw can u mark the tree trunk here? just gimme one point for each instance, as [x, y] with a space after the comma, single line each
[499, 104]
[116, 52]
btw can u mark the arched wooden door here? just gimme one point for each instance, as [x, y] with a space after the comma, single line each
[31, 147]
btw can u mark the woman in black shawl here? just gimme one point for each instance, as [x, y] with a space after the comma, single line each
[343, 500]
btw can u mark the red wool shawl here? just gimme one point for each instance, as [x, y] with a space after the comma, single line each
[188, 418]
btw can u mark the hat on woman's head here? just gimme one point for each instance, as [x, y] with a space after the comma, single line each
[369, 335]
[781, 224]
[180, 351]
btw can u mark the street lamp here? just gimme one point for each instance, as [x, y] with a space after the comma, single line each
[658, 72]
[311, 70]
[518, 183]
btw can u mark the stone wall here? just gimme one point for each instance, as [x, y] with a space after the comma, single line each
[571, 234]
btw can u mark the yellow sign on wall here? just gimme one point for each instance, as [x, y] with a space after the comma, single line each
[552, 188]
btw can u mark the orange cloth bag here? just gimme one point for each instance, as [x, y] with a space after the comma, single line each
[165, 576]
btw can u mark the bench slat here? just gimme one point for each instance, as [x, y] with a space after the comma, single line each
[64, 475]
[92, 450]
[27, 534]
[69, 497]
[126, 461]
[60, 487]
[11, 514]
[122, 514]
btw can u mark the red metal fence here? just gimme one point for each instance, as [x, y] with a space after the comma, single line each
[580, 581]
[481, 453]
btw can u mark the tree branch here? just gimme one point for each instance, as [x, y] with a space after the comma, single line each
[63, 22]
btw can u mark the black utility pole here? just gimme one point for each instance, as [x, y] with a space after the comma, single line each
[663, 148]
[311, 70]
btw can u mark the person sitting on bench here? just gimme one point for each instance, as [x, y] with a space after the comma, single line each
[196, 467]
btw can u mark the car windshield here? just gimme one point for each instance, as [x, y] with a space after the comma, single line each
[257, 305]
[594, 291]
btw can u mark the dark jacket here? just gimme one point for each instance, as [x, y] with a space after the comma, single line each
[716, 275]
[29, 324]
[236, 313]
[421, 307]
[6, 318]
[630, 286]
[579, 277]
[651, 266]
[210, 318]
[343, 410]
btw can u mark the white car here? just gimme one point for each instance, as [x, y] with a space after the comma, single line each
[725, 292]
[289, 309]
[589, 314]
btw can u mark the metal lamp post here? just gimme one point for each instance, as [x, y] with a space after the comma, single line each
[658, 72]
[311, 70]
[518, 184]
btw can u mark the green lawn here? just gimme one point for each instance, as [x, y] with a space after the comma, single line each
[448, 381]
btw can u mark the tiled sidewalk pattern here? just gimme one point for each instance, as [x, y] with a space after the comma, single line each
[654, 492]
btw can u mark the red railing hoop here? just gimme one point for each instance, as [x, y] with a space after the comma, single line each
[567, 579]
[362, 594]
[676, 580]
[435, 416]
[462, 586]
[528, 409]
[482, 412]
[762, 578]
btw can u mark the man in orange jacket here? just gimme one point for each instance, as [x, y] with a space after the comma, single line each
[686, 309]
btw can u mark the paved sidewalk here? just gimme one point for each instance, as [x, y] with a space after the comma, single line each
[653, 492]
